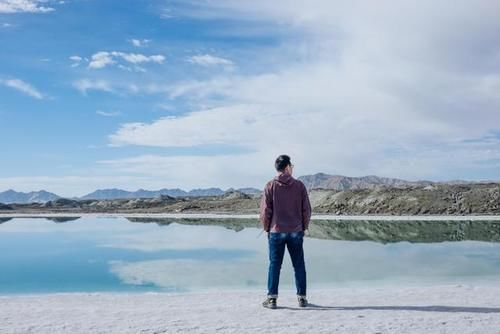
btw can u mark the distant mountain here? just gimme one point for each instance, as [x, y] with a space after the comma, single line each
[102, 194]
[438, 199]
[42, 196]
[141, 193]
[319, 180]
[248, 191]
[116, 193]
[339, 182]
[11, 196]
[205, 192]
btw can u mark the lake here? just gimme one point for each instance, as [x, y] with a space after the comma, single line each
[93, 254]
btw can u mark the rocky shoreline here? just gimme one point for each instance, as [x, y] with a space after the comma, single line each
[441, 199]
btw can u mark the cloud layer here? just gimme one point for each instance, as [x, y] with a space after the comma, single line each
[22, 87]
[102, 59]
[359, 90]
[24, 6]
[394, 88]
[209, 60]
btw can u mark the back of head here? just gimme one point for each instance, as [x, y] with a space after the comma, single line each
[282, 162]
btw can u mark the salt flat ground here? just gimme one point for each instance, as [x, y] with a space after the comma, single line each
[454, 309]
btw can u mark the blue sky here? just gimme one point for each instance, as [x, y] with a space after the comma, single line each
[153, 94]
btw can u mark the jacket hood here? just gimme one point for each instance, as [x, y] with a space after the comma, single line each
[284, 179]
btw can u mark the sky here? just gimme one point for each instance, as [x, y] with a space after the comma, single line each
[191, 94]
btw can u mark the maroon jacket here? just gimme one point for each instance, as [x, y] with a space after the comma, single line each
[285, 206]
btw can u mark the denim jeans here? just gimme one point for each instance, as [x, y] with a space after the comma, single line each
[294, 243]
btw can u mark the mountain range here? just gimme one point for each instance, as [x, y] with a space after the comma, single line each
[315, 181]
[340, 182]
[42, 196]
[11, 196]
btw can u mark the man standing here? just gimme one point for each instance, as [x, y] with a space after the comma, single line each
[285, 213]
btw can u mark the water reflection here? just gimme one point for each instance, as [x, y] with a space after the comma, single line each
[57, 219]
[62, 219]
[117, 254]
[373, 230]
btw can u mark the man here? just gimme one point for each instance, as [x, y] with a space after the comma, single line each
[285, 213]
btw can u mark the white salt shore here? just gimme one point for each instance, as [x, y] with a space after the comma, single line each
[432, 309]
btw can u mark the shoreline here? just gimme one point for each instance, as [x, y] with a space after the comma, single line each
[454, 308]
[254, 216]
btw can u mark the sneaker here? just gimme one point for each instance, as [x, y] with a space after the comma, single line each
[270, 303]
[302, 301]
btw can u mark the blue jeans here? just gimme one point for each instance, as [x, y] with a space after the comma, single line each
[294, 242]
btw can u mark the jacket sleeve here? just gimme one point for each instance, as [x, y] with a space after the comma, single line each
[266, 208]
[306, 208]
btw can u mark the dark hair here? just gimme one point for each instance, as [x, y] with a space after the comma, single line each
[281, 162]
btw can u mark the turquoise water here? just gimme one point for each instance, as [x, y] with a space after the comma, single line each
[114, 254]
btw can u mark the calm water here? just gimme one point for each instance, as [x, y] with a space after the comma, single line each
[38, 255]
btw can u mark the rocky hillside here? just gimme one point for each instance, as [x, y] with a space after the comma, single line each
[439, 199]
[340, 182]
[229, 202]
[316, 181]
[5, 207]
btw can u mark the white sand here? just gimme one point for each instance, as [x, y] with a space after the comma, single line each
[255, 216]
[457, 309]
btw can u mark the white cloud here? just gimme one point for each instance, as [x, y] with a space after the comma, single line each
[191, 129]
[137, 58]
[193, 171]
[104, 58]
[23, 87]
[358, 146]
[139, 42]
[77, 60]
[108, 113]
[121, 88]
[351, 89]
[84, 85]
[24, 6]
[166, 13]
[357, 90]
[101, 60]
[209, 60]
